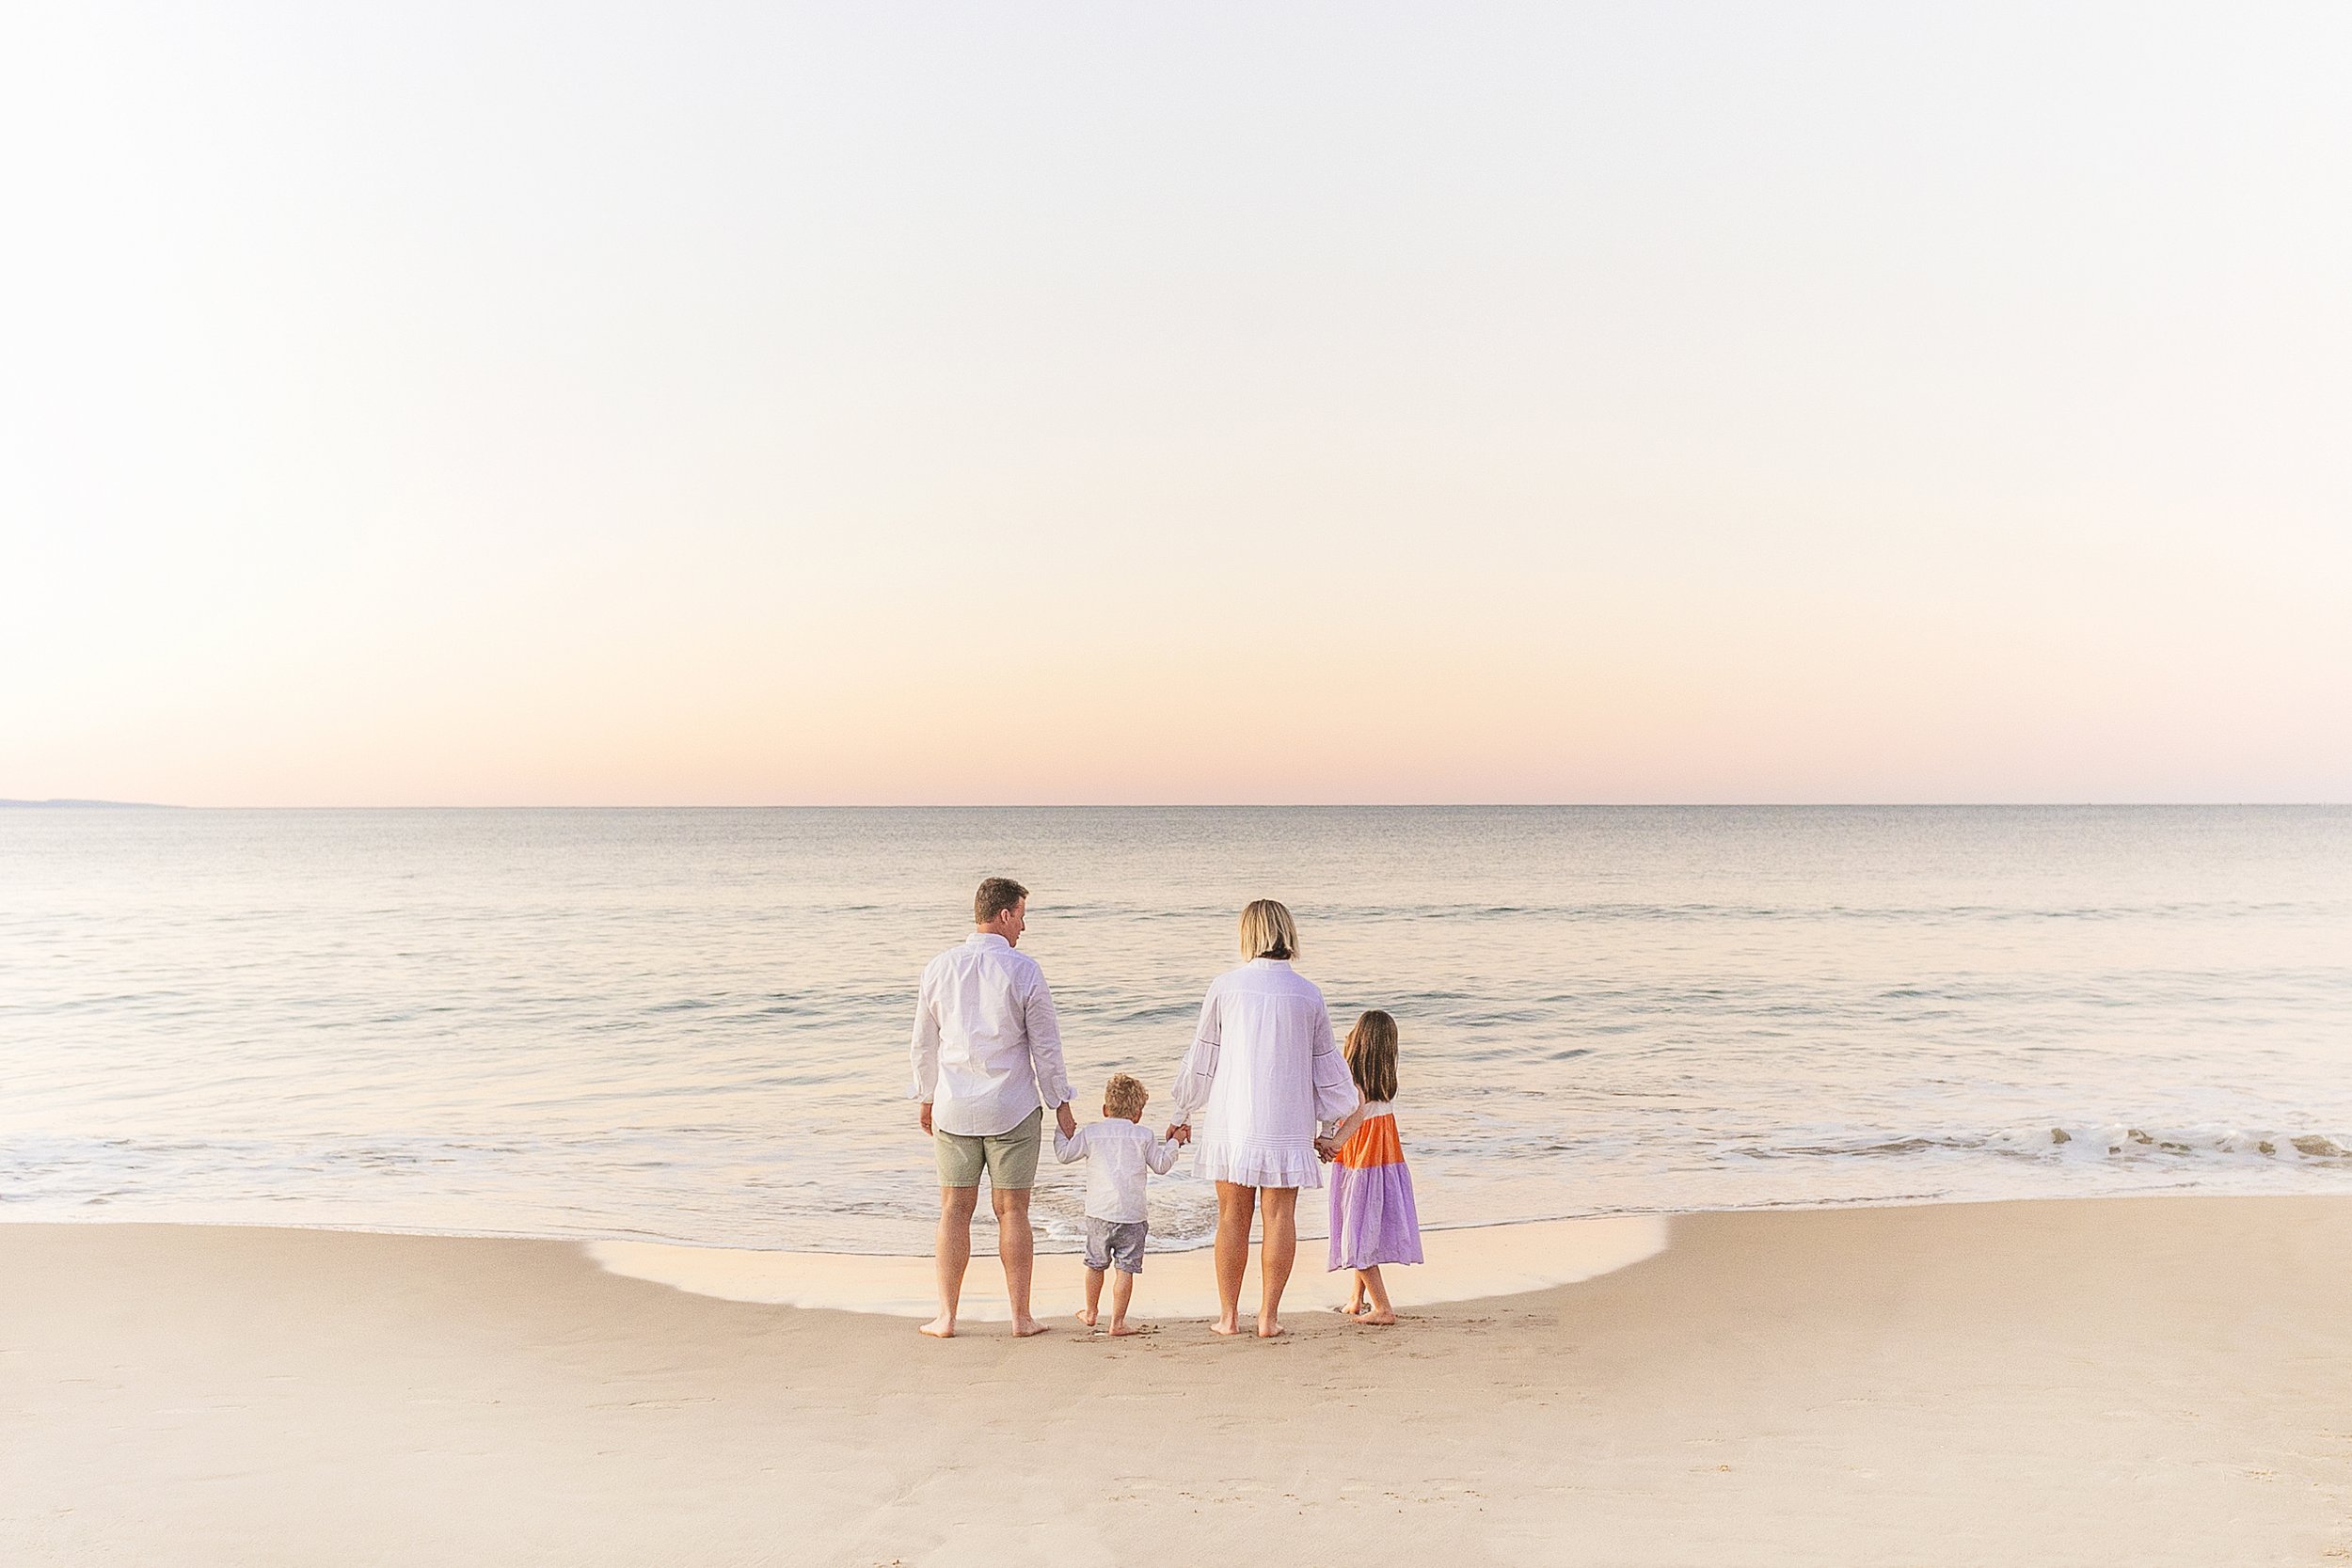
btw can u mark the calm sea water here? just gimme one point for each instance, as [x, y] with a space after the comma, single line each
[693, 1024]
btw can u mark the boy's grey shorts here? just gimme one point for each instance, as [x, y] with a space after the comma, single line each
[1115, 1242]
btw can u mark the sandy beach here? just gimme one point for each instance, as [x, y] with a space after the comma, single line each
[2150, 1381]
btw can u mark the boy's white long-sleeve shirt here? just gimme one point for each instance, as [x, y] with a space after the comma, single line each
[1116, 1152]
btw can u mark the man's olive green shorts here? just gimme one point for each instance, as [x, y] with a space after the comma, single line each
[1010, 1157]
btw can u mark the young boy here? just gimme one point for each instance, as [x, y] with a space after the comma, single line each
[1116, 1151]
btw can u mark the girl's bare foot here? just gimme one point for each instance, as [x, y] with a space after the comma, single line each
[1087, 1316]
[1023, 1327]
[1350, 1310]
[1231, 1324]
[1120, 1330]
[1382, 1319]
[941, 1327]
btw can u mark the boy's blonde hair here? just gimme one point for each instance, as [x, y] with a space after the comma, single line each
[1267, 931]
[1124, 1096]
[1371, 1053]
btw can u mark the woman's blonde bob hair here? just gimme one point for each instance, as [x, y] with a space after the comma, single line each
[1267, 931]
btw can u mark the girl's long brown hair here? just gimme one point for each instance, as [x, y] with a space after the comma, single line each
[1371, 1052]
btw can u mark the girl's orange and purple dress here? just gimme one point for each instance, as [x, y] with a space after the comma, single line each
[1372, 1219]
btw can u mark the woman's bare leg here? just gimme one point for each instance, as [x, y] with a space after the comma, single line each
[1234, 1205]
[1355, 1293]
[1278, 1207]
[1382, 1312]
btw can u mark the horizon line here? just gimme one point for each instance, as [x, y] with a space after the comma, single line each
[71, 804]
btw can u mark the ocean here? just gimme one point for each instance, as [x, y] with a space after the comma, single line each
[692, 1025]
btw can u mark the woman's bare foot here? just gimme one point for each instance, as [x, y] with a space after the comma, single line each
[941, 1327]
[1120, 1330]
[1381, 1319]
[1230, 1323]
[1023, 1327]
[1269, 1329]
[1349, 1309]
[1087, 1316]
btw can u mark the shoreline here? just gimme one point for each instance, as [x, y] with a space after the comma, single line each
[1057, 1246]
[2160, 1380]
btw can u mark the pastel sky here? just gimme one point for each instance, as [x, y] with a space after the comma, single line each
[752, 404]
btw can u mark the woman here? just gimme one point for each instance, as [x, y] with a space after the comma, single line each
[1263, 1064]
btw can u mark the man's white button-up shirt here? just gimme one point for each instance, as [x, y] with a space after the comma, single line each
[987, 1046]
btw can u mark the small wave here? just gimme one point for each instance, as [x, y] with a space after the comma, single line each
[1148, 1015]
[1645, 912]
[2108, 1140]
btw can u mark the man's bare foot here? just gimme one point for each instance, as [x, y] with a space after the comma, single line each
[1023, 1327]
[1230, 1324]
[1119, 1330]
[1269, 1329]
[941, 1327]
[1087, 1316]
[1382, 1319]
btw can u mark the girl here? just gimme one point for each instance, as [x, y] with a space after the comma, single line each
[1373, 1220]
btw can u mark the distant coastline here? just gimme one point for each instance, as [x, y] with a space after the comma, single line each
[110, 805]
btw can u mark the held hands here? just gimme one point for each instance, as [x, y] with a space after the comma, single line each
[1179, 1131]
[1327, 1149]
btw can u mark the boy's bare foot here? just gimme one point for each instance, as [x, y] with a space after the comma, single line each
[1087, 1315]
[1023, 1327]
[941, 1327]
[1120, 1330]
[1269, 1329]
[1382, 1319]
[1230, 1324]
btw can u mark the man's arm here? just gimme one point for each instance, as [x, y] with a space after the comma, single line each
[1044, 1032]
[925, 1052]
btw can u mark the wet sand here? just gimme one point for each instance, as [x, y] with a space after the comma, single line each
[1458, 1265]
[2144, 1381]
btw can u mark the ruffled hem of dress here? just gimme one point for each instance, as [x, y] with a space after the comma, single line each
[1260, 1167]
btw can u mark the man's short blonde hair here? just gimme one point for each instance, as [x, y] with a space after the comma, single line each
[1267, 931]
[1124, 1096]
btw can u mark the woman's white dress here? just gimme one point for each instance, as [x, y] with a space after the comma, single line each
[1264, 1068]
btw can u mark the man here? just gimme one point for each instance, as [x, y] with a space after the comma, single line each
[987, 1063]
